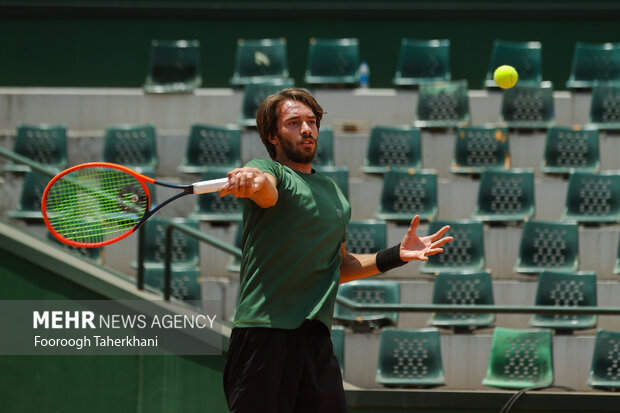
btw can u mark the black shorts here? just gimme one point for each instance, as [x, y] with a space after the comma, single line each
[271, 370]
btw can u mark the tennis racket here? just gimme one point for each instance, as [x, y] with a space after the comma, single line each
[99, 203]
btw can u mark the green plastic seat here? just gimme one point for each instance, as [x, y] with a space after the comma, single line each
[184, 282]
[213, 208]
[212, 148]
[525, 57]
[520, 358]
[464, 254]
[548, 245]
[324, 156]
[566, 289]
[528, 107]
[422, 61]
[340, 175]
[405, 195]
[132, 146]
[185, 250]
[443, 105]
[463, 289]
[95, 254]
[393, 147]
[338, 337]
[333, 62]
[478, 148]
[260, 59]
[569, 149]
[43, 143]
[254, 94]
[594, 63]
[605, 106]
[410, 358]
[29, 205]
[368, 292]
[605, 366]
[174, 67]
[593, 198]
[366, 236]
[505, 196]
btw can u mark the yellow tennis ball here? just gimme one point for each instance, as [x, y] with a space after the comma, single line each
[505, 76]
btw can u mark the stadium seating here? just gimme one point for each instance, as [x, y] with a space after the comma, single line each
[260, 59]
[520, 359]
[368, 292]
[212, 148]
[525, 57]
[410, 358]
[132, 146]
[421, 61]
[565, 289]
[393, 147]
[366, 237]
[29, 206]
[605, 106]
[95, 254]
[605, 370]
[215, 209]
[465, 289]
[174, 67]
[528, 107]
[333, 62]
[570, 149]
[464, 254]
[548, 246]
[505, 196]
[593, 198]
[478, 148]
[593, 63]
[184, 282]
[443, 105]
[43, 143]
[406, 194]
[185, 252]
[324, 155]
[254, 93]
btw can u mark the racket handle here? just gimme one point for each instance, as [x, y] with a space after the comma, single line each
[212, 185]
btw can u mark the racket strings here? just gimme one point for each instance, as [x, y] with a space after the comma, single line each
[94, 205]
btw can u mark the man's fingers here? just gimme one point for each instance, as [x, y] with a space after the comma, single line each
[441, 242]
[440, 233]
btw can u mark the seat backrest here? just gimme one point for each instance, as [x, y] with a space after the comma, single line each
[570, 149]
[443, 104]
[405, 194]
[410, 358]
[32, 192]
[43, 143]
[505, 195]
[593, 197]
[212, 207]
[525, 57]
[605, 366]
[478, 148]
[253, 95]
[520, 359]
[184, 282]
[463, 288]
[605, 106]
[212, 146]
[464, 253]
[333, 61]
[185, 250]
[366, 237]
[131, 145]
[260, 59]
[528, 106]
[593, 63]
[393, 147]
[549, 245]
[368, 292]
[422, 61]
[324, 155]
[174, 66]
[566, 289]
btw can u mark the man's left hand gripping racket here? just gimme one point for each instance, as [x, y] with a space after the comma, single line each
[98, 203]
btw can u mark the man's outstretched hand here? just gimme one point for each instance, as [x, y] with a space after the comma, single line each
[413, 247]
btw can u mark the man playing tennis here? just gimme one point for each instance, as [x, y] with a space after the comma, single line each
[280, 357]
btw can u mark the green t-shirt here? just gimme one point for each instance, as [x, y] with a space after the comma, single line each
[290, 268]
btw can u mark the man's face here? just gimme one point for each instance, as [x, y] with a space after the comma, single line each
[297, 133]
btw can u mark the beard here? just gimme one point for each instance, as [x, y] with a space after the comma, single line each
[296, 153]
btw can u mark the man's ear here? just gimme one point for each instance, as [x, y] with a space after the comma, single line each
[272, 139]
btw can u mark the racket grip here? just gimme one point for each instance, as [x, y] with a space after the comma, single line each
[212, 185]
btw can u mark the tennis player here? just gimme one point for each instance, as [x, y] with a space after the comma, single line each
[280, 357]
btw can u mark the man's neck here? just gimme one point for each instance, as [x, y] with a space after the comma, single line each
[305, 168]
